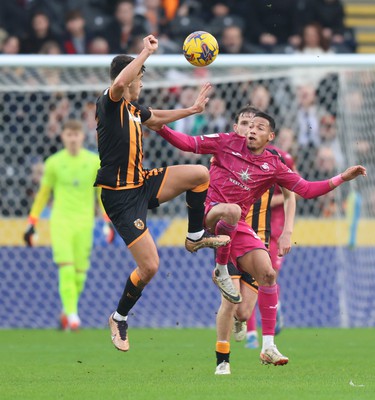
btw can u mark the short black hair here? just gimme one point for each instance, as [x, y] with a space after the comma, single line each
[248, 109]
[119, 63]
[264, 115]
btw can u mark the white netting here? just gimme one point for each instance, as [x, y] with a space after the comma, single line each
[323, 107]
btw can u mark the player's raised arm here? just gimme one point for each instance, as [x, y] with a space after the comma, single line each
[135, 68]
[309, 189]
[161, 117]
[178, 139]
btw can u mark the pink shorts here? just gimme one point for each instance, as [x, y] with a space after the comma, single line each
[246, 240]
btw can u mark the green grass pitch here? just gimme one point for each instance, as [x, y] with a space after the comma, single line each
[179, 364]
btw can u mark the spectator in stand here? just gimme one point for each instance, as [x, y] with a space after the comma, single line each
[60, 111]
[158, 23]
[136, 45]
[273, 25]
[155, 16]
[56, 10]
[260, 97]
[329, 139]
[124, 26]
[89, 125]
[188, 18]
[39, 33]
[95, 12]
[325, 165]
[216, 118]
[98, 45]
[286, 141]
[193, 123]
[11, 45]
[50, 47]
[15, 16]
[313, 40]
[308, 118]
[232, 42]
[220, 16]
[330, 15]
[76, 38]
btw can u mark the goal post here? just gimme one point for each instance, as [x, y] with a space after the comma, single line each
[323, 106]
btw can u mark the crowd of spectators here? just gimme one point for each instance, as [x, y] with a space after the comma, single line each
[112, 27]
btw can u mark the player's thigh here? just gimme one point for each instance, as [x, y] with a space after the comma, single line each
[62, 241]
[127, 210]
[248, 251]
[180, 178]
[82, 247]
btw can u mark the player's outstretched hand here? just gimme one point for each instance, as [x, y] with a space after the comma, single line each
[202, 99]
[150, 43]
[284, 244]
[28, 236]
[353, 172]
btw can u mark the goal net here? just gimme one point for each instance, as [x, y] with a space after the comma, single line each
[324, 111]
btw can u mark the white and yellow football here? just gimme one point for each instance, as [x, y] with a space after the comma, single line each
[200, 48]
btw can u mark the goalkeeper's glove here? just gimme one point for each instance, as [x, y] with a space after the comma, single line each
[30, 233]
[109, 232]
[108, 229]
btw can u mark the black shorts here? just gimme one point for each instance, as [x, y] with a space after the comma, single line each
[127, 208]
[244, 276]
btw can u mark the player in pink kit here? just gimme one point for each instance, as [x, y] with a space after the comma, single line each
[240, 173]
[277, 225]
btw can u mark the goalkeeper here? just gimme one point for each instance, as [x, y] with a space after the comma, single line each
[69, 175]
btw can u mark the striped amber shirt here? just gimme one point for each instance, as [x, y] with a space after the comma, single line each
[120, 142]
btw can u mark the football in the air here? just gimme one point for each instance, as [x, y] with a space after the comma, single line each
[200, 48]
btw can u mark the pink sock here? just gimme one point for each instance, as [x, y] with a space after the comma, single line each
[252, 322]
[223, 252]
[267, 301]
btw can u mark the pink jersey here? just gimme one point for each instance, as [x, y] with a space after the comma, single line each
[239, 176]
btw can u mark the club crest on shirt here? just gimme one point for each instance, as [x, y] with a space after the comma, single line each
[139, 224]
[265, 167]
[244, 175]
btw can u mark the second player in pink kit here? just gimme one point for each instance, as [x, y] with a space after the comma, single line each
[240, 173]
[278, 216]
[276, 228]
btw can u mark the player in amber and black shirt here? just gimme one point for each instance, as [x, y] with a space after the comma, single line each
[128, 189]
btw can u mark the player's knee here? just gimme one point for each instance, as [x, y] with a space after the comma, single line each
[267, 278]
[243, 314]
[230, 213]
[148, 269]
[203, 175]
